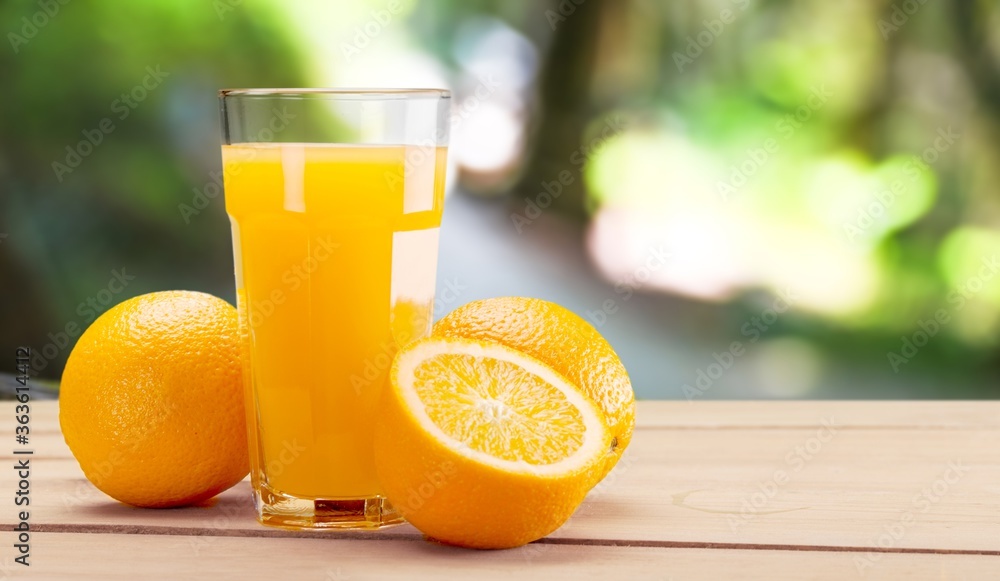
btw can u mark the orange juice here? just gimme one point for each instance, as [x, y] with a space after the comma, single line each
[335, 253]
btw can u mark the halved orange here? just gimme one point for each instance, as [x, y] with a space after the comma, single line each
[557, 337]
[483, 446]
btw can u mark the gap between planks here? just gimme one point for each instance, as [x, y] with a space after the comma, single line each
[264, 532]
[919, 427]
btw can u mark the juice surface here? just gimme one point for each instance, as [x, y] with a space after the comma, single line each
[335, 250]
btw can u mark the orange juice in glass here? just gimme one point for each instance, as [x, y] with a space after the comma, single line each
[335, 235]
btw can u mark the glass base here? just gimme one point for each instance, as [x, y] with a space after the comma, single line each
[278, 509]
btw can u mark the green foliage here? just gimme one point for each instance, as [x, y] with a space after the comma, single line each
[81, 74]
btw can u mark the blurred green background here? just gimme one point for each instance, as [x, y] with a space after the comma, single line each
[748, 198]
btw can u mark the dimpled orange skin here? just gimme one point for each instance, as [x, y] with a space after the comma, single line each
[454, 500]
[151, 400]
[562, 340]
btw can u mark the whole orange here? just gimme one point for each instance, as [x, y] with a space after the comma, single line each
[151, 400]
[562, 340]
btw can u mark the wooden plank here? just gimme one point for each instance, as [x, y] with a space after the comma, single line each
[962, 415]
[62, 499]
[47, 440]
[800, 486]
[694, 486]
[753, 486]
[127, 557]
[956, 415]
[42, 445]
[44, 417]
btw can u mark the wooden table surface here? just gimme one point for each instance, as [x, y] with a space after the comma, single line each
[707, 490]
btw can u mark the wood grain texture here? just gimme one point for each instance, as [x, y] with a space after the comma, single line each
[722, 414]
[715, 489]
[109, 557]
[957, 415]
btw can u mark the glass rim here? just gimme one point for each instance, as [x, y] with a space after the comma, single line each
[338, 93]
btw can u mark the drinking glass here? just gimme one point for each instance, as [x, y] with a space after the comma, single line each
[335, 200]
